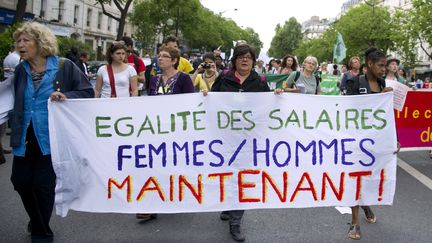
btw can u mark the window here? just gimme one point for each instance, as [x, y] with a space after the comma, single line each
[109, 23]
[60, 10]
[89, 16]
[76, 13]
[99, 20]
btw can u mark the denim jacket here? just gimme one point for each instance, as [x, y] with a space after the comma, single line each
[32, 105]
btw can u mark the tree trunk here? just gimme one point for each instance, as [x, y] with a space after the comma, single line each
[122, 24]
[20, 11]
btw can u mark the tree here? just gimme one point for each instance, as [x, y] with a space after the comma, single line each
[286, 39]
[20, 11]
[253, 39]
[321, 47]
[123, 7]
[198, 26]
[66, 43]
[365, 26]
[413, 28]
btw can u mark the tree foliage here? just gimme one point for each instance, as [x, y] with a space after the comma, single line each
[65, 44]
[198, 26]
[321, 47]
[286, 39]
[413, 28]
[123, 7]
[365, 26]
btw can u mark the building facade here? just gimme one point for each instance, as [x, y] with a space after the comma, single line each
[79, 19]
[315, 27]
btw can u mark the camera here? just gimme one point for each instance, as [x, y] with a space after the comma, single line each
[205, 65]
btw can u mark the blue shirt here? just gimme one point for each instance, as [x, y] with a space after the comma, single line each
[36, 106]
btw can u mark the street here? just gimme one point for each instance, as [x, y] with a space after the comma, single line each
[408, 220]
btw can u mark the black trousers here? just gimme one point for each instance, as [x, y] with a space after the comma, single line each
[33, 178]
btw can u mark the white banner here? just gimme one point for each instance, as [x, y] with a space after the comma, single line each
[189, 153]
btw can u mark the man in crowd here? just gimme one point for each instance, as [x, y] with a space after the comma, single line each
[82, 63]
[184, 65]
[135, 60]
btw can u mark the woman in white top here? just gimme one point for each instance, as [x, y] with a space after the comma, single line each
[124, 75]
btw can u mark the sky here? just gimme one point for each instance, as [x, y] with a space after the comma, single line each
[264, 15]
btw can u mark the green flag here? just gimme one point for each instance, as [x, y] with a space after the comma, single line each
[339, 52]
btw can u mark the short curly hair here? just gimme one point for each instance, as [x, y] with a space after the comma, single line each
[46, 41]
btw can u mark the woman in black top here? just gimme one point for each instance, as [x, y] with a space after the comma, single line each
[241, 78]
[370, 83]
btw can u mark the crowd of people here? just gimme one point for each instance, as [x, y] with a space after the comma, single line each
[42, 74]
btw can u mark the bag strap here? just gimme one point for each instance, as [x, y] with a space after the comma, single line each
[136, 61]
[112, 81]
[297, 76]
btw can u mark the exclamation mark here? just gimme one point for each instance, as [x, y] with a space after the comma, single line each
[171, 188]
[381, 186]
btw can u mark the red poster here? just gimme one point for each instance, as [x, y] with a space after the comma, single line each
[414, 122]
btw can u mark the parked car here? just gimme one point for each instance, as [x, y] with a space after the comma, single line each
[93, 67]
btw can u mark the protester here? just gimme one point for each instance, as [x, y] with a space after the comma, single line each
[220, 64]
[82, 63]
[9, 64]
[117, 78]
[241, 78]
[184, 65]
[206, 73]
[274, 66]
[370, 83]
[171, 81]
[427, 84]
[40, 76]
[403, 75]
[304, 81]
[323, 68]
[72, 54]
[259, 67]
[134, 59]
[288, 65]
[354, 70]
[392, 70]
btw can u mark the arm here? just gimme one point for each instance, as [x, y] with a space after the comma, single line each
[288, 85]
[133, 82]
[76, 82]
[195, 74]
[98, 87]
[188, 86]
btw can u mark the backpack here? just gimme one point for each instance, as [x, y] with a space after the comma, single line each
[297, 76]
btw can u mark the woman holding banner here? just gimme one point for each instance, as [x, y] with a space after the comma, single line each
[170, 81]
[242, 78]
[370, 83]
[117, 78]
[288, 65]
[41, 75]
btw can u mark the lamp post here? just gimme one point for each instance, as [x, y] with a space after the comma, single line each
[372, 3]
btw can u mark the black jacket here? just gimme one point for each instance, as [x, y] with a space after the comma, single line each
[360, 85]
[226, 82]
[81, 64]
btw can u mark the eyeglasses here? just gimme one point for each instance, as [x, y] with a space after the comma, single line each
[164, 56]
[246, 57]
